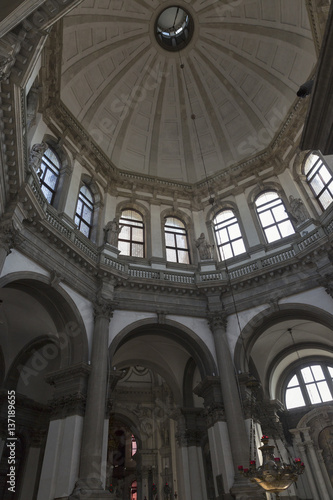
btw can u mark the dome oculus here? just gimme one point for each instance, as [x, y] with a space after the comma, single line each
[174, 28]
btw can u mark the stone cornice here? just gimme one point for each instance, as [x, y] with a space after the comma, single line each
[262, 166]
[46, 229]
[68, 374]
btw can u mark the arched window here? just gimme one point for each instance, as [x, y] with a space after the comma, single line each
[273, 216]
[176, 242]
[50, 172]
[319, 179]
[228, 235]
[131, 236]
[134, 490]
[309, 384]
[134, 445]
[84, 211]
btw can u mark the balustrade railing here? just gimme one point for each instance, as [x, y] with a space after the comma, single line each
[89, 249]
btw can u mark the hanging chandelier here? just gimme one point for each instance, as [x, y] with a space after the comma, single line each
[273, 475]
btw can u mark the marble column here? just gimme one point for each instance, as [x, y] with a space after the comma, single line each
[62, 450]
[308, 469]
[91, 466]
[239, 441]
[189, 436]
[222, 466]
[315, 464]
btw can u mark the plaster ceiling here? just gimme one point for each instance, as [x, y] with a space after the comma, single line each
[242, 69]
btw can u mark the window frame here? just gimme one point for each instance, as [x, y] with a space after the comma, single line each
[79, 215]
[275, 223]
[328, 187]
[225, 225]
[50, 166]
[176, 247]
[296, 370]
[131, 241]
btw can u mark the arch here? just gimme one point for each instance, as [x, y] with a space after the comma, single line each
[61, 308]
[182, 335]
[262, 188]
[19, 370]
[145, 213]
[189, 228]
[267, 318]
[96, 223]
[129, 419]
[59, 149]
[65, 171]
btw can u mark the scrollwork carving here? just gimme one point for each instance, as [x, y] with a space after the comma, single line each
[8, 234]
[217, 321]
[64, 406]
[214, 413]
[103, 308]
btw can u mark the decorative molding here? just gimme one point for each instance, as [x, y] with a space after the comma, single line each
[8, 235]
[65, 406]
[214, 413]
[327, 283]
[103, 308]
[217, 321]
[189, 437]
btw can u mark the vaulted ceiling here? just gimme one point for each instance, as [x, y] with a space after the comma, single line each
[190, 113]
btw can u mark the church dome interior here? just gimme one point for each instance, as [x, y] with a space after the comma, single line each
[166, 229]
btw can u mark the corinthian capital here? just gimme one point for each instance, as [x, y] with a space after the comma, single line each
[103, 308]
[7, 235]
[217, 320]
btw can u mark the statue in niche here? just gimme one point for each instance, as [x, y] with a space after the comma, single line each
[36, 154]
[111, 232]
[204, 248]
[297, 209]
[32, 106]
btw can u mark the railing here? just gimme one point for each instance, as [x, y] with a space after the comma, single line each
[311, 238]
[213, 276]
[89, 249]
[58, 225]
[243, 271]
[278, 258]
[139, 273]
[113, 263]
[179, 278]
[85, 248]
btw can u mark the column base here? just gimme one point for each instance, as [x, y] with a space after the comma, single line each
[85, 494]
[90, 489]
[243, 489]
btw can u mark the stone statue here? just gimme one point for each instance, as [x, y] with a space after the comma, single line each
[36, 154]
[111, 232]
[298, 210]
[203, 247]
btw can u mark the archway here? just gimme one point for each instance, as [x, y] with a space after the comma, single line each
[158, 366]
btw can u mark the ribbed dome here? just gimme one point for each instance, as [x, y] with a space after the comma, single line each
[241, 70]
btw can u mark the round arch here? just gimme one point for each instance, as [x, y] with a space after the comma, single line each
[181, 334]
[60, 307]
[265, 320]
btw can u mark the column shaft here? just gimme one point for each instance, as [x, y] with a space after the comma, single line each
[239, 441]
[93, 430]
